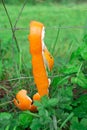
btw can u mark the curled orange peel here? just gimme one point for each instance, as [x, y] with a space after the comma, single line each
[22, 101]
[48, 59]
[41, 58]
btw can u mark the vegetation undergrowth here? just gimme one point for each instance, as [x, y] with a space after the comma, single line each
[66, 107]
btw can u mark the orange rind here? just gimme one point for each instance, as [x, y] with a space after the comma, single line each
[41, 58]
[22, 101]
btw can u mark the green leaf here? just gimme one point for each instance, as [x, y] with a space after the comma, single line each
[84, 54]
[74, 119]
[80, 109]
[70, 68]
[77, 126]
[75, 55]
[25, 120]
[84, 122]
[65, 95]
[84, 51]
[55, 81]
[81, 80]
[5, 116]
[35, 124]
[5, 120]
[7, 127]
[52, 102]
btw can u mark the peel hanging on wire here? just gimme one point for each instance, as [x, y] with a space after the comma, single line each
[41, 58]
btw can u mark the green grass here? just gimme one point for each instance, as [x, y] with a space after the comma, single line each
[52, 16]
[55, 15]
[66, 109]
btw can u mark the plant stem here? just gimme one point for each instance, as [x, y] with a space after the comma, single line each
[20, 14]
[5, 103]
[1, 87]
[32, 114]
[54, 46]
[67, 119]
[11, 25]
[79, 69]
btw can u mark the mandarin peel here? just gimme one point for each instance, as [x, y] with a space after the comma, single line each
[41, 58]
[22, 101]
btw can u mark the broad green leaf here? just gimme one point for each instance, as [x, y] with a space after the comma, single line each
[5, 116]
[5, 120]
[25, 119]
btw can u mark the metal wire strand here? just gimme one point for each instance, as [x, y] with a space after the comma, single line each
[47, 28]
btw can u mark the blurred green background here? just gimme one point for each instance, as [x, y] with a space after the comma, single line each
[44, 1]
[64, 21]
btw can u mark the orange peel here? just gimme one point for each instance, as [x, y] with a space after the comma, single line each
[41, 58]
[48, 59]
[38, 51]
[22, 101]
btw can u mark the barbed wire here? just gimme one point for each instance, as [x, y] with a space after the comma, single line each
[31, 77]
[15, 28]
[48, 27]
